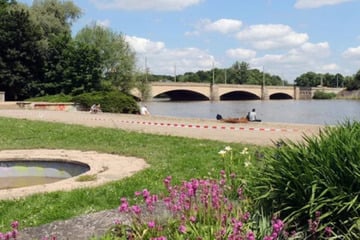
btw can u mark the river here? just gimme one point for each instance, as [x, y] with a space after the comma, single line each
[290, 111]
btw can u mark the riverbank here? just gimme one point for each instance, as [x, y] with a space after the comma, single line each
[258, 133]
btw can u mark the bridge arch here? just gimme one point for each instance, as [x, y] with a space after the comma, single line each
[182, 95]
[239, 95]
[280, 95]
[181, 91]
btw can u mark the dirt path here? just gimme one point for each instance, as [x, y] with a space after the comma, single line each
[259, 133]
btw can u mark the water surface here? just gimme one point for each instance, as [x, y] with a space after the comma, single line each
[290, 111]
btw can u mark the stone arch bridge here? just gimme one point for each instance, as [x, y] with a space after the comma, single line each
[188, 91]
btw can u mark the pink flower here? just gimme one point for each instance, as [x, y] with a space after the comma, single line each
[192, 219]
[151, 224]
[136, 209]
[15, 224]
[182, 229]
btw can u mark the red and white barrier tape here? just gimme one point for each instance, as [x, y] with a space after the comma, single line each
[197, 126]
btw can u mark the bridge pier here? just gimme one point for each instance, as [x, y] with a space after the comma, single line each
[214, 92]
[264, 93]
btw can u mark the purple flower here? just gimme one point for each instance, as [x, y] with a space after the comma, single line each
[192, 219]
[328, 231]
[250, 236]
[182, 229]
[151, 224]
[15, 224]
[136, 209]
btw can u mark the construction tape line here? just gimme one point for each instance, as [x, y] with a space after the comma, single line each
[197, 126]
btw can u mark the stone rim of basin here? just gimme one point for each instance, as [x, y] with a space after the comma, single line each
[106, 167]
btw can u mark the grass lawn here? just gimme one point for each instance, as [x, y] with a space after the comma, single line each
[182, 158]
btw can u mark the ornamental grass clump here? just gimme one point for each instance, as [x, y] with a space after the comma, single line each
[320, 178]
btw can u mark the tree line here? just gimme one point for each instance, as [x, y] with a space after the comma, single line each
[40, 57]
[240, 73]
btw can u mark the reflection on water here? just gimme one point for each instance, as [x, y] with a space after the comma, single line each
[17, 182]
[291, 111]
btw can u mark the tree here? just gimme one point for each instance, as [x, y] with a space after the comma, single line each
[117, 58]
[243, 72]
[21, 60]
[309, 79]
[354, 84]
[55, 17]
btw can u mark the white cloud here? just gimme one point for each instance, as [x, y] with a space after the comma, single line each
[352, 53]
[160, 5]
[221, 25]
[318, 50]
[296, 61]
[161, 60]
[272, 36]
[142, 45]
[331, 68]
[317, 3]
[241, 53]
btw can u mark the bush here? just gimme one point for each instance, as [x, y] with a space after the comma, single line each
[319, 177]
[114, 101]
[52, 98]
[323, 95]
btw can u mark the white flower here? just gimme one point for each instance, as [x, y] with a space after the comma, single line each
[244, 151]
[228, 148]
[247, 164]
[222, 152]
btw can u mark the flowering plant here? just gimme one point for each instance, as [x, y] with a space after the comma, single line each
[209, 208]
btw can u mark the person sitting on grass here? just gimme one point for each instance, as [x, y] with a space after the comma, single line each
[95, 108]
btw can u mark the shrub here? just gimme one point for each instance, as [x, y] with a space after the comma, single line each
[318, 177]
[52, 98]
[114, 101]
[323, 95]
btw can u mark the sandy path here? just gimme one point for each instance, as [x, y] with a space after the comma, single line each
[262, 133]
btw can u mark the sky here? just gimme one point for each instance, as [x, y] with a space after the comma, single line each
[282, 37]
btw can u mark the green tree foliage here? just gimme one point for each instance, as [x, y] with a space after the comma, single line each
[311, 79]
[55, 17]
[238, 73]
[83, 69]
[353, 83]
[21, 60]
[243, 72]
[110, 101]
[118, 59]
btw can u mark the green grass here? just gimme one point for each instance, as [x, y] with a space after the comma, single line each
[182, 158]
